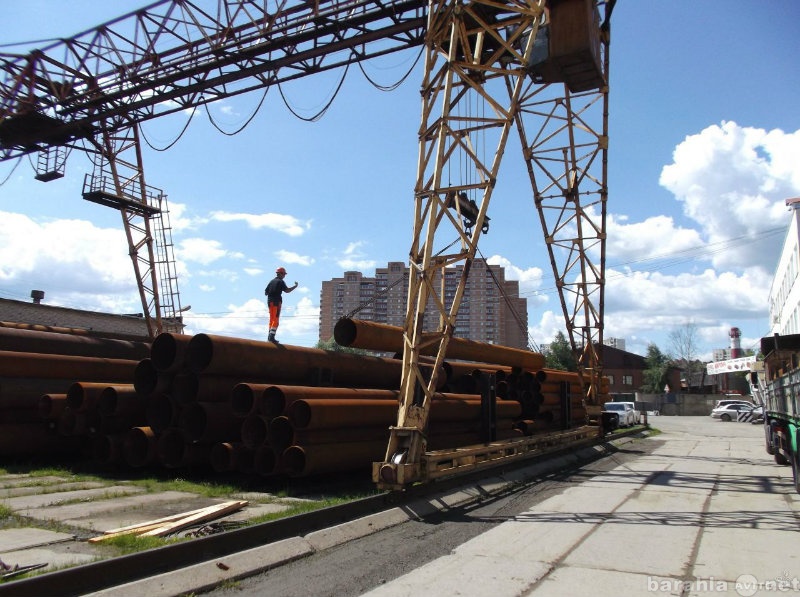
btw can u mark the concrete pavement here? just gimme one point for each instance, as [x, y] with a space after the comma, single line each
[707, 513]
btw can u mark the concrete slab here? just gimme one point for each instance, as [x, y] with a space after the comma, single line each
[54, 559]
[716, 559]
[30, 502]
[450, 576]
[104, 514]
[19, 480]
[21, 490]
[575, 580]
[23, 538]
[667, 556]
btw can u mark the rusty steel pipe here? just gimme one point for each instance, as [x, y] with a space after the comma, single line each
[254, 430]
[168, 352]
[176, 449]
[21, 340]
[190, 387]
[83, 395]
[246, 398]
[140, 446]
[371, 335]
[298, 461]
[210, 422]
[227, 456]
[52, 405]
[320, 413]
[121, 400]
[27, 439]
[107, 449]
[49, 366]
[161, 412]
[147, 380]
[283, 363]
[280, 434]
[276, 398]
[304, 437]
[265, 461]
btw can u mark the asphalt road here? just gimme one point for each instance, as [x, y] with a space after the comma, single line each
[361, 565]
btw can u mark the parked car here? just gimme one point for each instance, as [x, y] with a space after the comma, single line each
[627, 415]
[729, 412]
[726, 401]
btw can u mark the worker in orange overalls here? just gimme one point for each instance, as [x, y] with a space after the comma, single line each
[274, 292]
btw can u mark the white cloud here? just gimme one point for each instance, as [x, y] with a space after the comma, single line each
[73, 261]
[354, 259]
[203, 251]
[292, 257]
[279, 222]
[733, 181]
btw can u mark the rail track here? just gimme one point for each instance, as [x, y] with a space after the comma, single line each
[92, 577]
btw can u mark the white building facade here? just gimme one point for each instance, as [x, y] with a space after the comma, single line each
[784, 295]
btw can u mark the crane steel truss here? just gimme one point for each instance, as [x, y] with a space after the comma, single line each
[92, 91]
[565, 141]
[174, 55]
[478, 52]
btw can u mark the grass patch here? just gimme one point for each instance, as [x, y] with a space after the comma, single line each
[127, 544]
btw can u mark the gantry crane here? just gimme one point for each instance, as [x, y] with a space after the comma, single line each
[490, 66]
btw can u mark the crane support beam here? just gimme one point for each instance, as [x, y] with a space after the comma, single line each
[476, 54]
[174, 55]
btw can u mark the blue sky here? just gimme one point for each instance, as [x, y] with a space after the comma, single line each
[704, 150]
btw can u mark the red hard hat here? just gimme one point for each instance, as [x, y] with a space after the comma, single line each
[280, 270]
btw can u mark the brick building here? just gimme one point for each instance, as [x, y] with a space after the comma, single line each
[491, 309]
[38, 313]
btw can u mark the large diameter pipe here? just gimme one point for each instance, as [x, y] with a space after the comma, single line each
[83, 395]
[210, 422]
[370, 335]
[221, 355]
[276, 398]
[140, 446]
[168, 352]
[49, 366]
[321, 414]
[20, 340]
[26, 439]
[298, 461]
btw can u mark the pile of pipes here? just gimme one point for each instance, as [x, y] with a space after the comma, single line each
[260, 407]
[51, 381]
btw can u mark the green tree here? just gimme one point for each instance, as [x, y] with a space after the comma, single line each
[332, 345]
[655, 375]
[558, 354]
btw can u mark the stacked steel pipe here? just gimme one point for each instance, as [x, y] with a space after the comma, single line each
[265, 408]
[37, 371]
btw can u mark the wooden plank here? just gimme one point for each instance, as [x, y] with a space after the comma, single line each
[220, 510]
[156, 521]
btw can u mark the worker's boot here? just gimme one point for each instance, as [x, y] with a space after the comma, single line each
[271, 337]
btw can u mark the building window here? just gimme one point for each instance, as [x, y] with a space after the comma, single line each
[610, 380]
[627, 380]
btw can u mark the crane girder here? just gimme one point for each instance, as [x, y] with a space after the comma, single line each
[174, 54]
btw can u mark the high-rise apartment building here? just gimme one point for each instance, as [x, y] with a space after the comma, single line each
[491, 309]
